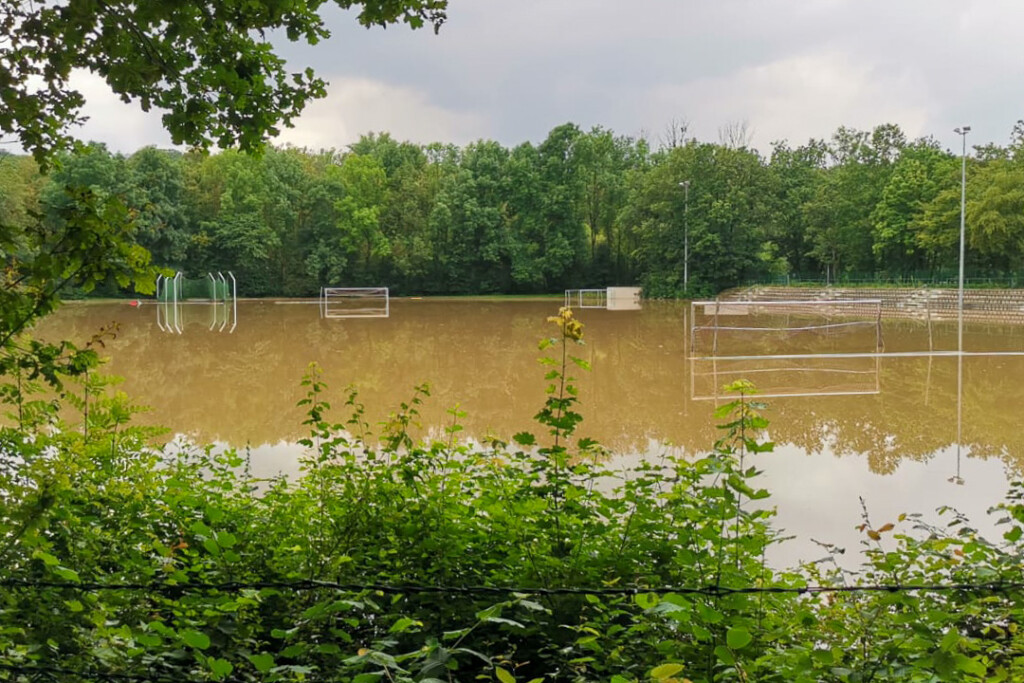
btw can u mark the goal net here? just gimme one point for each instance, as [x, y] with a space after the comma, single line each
[586, 298]
[743, 330]
[354, 302]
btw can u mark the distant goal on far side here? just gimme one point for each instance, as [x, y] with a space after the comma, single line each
[355, 302]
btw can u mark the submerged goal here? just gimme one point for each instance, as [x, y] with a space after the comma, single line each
[743, 330]
[355, 302]
[788, 348]
[609, 298]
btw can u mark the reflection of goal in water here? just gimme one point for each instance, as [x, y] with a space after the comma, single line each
[354, 302]
[609, 298]
[745, 329]
[787, 377]
[787, 348]
[210, 300]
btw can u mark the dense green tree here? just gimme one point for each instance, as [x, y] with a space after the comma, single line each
[580, 209]
[996, 215]
[93, 168]
[359, 214]
[549, 242]
[916, 180]
[157, 193]
[470, 225]
[795, 176]
[19, 196]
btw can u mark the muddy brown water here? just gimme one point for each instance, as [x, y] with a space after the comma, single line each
[846, 427]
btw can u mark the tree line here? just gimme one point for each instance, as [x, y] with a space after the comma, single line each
[579, 209]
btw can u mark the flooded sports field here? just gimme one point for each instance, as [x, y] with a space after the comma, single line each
[860, 407]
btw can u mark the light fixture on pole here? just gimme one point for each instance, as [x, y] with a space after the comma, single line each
[686, 234]
[962, 132]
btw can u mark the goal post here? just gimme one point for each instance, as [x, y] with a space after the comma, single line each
[355, 302]
[764, 329]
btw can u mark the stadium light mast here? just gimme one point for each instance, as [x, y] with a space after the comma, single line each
[686, 234]
[962, 131]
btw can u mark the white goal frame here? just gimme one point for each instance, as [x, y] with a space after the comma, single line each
[369, 302]
[586, 298]
[826, 308]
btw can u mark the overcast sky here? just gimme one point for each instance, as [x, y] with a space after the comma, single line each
[511, 70]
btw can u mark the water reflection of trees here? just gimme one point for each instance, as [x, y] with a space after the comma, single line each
[242, 388]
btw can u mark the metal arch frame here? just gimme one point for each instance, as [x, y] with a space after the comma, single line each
[159, 304]
[176, 290]
[171, 320]
[234, 299]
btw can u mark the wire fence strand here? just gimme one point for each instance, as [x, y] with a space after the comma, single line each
[412, 589]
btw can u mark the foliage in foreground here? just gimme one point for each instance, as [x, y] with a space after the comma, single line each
[299, 565]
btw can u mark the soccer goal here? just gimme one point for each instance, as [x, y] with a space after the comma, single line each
[355, 302]
[610, 298]
[586, 298]
[744, 330]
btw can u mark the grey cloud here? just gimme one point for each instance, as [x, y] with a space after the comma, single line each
[517, 68]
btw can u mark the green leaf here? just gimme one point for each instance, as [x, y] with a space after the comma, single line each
[506, 622]
[725, 409]
[148, 639]
[646, 600]
[226, 539]
[738, 637]
[195, 639]
[403, 625]
[580, 362]
[67, 574]
[970, 665]
[524, 439]
[220, 667]
[367, 678]
[724, 655]
[666, 671]
[504, 676]
[48, 559]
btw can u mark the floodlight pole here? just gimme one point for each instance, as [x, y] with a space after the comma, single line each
[962, 132]
[686, 234]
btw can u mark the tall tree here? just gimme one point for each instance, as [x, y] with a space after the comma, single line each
[156, 193]
[359, 213]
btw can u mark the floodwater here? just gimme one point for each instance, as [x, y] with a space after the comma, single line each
[906, 432]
